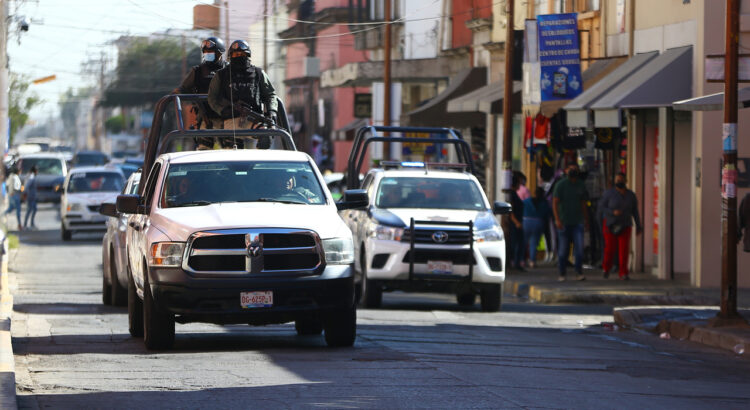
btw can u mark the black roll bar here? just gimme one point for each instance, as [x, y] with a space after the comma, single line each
[359, 148]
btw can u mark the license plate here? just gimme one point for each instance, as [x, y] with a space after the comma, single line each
[250, 300]
[440, 267]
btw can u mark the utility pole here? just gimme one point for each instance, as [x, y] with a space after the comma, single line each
[728, 313]
[387, 77]
[184, 56]
[265, 35]
[4, 80]
[226, 20]
[99, 137]
[631, 27]
[507, 114]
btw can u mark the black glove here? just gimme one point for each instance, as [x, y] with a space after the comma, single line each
[274, 116]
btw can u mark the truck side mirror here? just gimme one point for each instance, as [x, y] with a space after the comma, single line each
[501, 208]
[108, 209]
[128, 204]
[354, 199]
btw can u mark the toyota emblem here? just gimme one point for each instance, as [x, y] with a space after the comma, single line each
[440, 237]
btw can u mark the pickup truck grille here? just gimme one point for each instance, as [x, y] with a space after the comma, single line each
[425, 236]
[255, 251]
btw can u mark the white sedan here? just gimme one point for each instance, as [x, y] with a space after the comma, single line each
[85, 190]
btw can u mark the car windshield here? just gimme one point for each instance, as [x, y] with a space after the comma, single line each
[95, 182]
[92, 158]
[434, 193]
[252, 181]
[46, 166]
[127, 169]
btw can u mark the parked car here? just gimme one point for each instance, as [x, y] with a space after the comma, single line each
[89, 158]
[52, 170]
[114, 252]
[238, 236]
[84, 191]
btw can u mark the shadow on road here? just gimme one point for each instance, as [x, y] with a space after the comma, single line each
[44, 237]
[67, 309]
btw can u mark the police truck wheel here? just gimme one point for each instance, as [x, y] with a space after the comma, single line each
[341, 327]
[135, 309]
[491, 297]
[372, 291]
[158, 324]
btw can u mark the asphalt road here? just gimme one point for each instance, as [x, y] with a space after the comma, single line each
[419, 351]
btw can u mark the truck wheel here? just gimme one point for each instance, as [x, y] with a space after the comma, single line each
[119, 293]
[491, 296]
[64, 233]
[135, 309]
[466, 299]
[341, 327]
[158, 324]
[308, 326]
[372, 291]
[106, 287]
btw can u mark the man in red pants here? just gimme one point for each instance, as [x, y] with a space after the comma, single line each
[619, 208]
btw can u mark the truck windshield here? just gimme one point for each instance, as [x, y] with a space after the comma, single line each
[202, 184]
[433, 193]
[45, 166]
[95, 182]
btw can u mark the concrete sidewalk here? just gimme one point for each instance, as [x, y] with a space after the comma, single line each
[686, 323]
[540, 285]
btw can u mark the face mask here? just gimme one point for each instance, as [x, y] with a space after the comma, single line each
[239, 60]
[573, 173]
[620, 185]
[209, 57]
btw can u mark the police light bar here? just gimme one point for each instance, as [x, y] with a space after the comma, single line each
[413, 164]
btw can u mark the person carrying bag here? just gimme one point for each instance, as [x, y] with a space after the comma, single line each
[619, 207]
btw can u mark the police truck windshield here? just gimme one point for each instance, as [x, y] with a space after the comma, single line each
[203, 184]
[433, 193]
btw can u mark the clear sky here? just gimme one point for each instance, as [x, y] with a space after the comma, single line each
[64, 34]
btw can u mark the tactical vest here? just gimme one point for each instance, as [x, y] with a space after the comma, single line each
[245, 84]
[202, 75]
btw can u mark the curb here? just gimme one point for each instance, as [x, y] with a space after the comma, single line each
[7, 363]
[686, 326]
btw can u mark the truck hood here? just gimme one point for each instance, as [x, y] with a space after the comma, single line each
[92, 198]
[179, 223]
[482, 219]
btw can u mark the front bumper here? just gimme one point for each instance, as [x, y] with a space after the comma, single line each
[216, 299]
[389, 261]
[84, 222]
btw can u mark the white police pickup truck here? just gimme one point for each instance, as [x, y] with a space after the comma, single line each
[428, 227]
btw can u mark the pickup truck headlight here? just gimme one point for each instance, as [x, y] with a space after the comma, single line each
[74, 207]
[339, 251]
[387, 233]
[167, 254]
[489, 235]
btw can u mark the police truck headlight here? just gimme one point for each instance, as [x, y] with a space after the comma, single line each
[387, 233]
[339, 251]
[74, 207]
[489, 235]
[166, 254]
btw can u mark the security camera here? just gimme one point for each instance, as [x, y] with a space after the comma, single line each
[23, 25]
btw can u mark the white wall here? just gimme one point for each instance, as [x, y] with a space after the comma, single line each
[421, 29]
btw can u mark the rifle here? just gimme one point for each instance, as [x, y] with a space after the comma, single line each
[259, 119]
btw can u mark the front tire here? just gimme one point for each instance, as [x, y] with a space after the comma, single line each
[372, 291]
[491, 296]
[64, 233]
[119, 294]
[135, 309]
[158, 324]
[341, 327]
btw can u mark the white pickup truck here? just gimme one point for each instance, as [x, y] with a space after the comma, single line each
[239, 236]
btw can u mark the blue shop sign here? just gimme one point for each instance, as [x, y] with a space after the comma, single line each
[559, 56]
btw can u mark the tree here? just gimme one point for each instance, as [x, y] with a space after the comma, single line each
[20, 102]
[146, 71]
[115, 124]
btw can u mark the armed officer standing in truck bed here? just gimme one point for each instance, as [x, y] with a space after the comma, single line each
[241, 86]
[199, 78]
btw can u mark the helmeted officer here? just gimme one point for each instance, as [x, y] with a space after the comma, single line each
[199, 78]
[241, 86]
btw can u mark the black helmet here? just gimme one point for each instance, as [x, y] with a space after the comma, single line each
[213, 44]
[239, 45]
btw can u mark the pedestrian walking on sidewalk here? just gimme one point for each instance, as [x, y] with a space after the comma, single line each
[619, 207]
[517, 243]
[13, 183]
[536, 213]
[571, 219]
[30, 190]
[743, 222]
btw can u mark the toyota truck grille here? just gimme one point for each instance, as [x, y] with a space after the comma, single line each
[255, 251]
[438, 236]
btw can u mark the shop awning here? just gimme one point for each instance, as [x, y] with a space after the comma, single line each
[349, 129]
[578, 109]
[434, 113]
[712, 102]
[595, 72]
[663, 80]
[488, 99]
